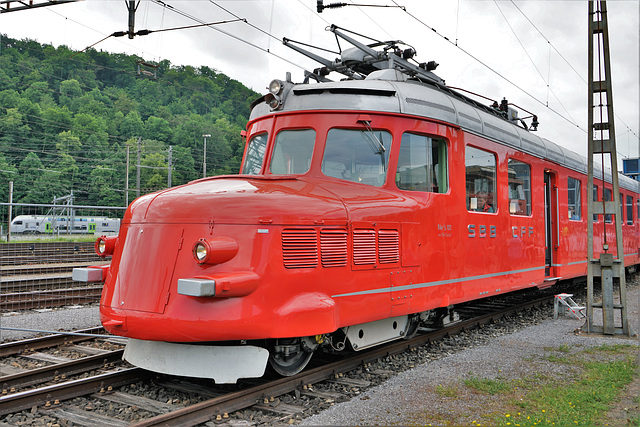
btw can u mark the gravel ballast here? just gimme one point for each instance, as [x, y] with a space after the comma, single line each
[412, 397]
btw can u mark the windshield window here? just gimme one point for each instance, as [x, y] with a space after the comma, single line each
[255, 154]
[357, 155]
[292, 152]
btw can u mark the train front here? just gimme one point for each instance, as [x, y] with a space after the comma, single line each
[199, 264]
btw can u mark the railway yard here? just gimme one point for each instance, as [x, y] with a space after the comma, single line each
[80, 380]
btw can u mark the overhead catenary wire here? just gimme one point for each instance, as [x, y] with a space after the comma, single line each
[491, 69]
[551, 46]
[545, 80]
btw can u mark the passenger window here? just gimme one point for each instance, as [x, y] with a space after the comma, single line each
[519, 188]
[422, 164]
[575, 201]
[629, 210]
[292, 152]
[480, 169]
[357, 155]
[595, 199]
[607, 198]
[255, 154]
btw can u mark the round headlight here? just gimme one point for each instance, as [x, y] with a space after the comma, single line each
[275, 87]
[200, 252]
[105, 246]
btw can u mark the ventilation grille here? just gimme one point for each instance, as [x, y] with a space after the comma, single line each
[388, 246]
[333, 248]
[364, 247]
[300, 248]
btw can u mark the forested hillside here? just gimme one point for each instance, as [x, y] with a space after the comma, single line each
[66, 119]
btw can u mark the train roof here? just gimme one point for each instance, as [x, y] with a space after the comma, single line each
[403, 90]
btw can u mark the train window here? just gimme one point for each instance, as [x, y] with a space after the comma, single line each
[575, 201]
[621, 209]
[357, 155]
[519, 188]
[629, 210]
[607, 198]
[595, 199]
[255, 154]
[480, 169]
[422, 164]
[292, 151]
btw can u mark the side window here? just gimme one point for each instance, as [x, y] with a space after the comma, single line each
[255, 154]
[519, 188]
[607, 198]
[629, 210]
[292, 151]
[480, 169]
[575, 200]
[422, 164]
[595, 199]
[621, 209]
[357, 155]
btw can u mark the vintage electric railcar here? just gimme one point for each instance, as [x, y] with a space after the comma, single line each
[363, 208]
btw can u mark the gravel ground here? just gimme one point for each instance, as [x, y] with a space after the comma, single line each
[411, 397]
[61, 319]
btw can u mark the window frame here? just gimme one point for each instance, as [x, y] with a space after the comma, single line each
[272, 151]
[264, 134]
[438, 177]
[387, 157]
[577, 204]
[527, 192]
[491, 193]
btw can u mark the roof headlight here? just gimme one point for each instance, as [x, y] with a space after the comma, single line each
[275, 87]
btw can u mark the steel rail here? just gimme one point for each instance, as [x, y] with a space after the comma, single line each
[33, 269]
[17, 347]
[53, 394]
[204, 411]
[58, 370]
[63, 297]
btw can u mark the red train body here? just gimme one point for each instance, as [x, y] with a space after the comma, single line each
[358, 214]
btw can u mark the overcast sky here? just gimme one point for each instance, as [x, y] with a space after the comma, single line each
[540, 47]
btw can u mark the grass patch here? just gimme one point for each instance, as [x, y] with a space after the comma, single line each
[446, 391]
[583, 401]
[488, 386]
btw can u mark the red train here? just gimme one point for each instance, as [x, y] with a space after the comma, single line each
[363, 208]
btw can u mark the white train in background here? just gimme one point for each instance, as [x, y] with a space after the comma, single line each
[41, 224]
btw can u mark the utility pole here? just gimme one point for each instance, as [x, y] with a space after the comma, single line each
[126, 184]
[204, 158]
[169, 165]
[138, 166]
[10, 210]
[602, 142]
[131, 7]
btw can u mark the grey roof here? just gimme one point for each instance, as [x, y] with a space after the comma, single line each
[386, 92]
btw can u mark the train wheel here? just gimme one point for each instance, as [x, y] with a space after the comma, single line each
[289, 356]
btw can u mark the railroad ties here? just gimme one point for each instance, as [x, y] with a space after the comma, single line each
[38, 275]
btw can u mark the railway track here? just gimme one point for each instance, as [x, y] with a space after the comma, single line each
[46, 252]
[82, 396]
[39, 275]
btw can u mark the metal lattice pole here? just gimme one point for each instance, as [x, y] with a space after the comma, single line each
[602, 142]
